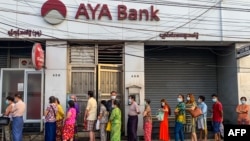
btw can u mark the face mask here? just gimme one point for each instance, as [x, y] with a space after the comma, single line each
[129, 101]
[162, 104]
[188, 98]
[199, 100]
[113, 97]
[145, 103]
[7, 102]
[214, 99]
[243, 101]
[179, 100]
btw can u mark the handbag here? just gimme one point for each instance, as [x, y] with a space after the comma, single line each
[108, 128]
[4, 120]
[160, 116]
[196, 112]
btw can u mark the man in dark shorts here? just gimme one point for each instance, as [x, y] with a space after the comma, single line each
[217, 117]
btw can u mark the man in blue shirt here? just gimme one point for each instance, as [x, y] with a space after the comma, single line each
[202, 119]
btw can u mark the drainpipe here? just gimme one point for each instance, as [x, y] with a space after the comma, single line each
[43, 97]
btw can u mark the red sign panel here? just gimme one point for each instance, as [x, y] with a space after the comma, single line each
[37, 56]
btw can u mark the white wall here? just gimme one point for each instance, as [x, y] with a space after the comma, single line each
[243, 75]
[134, 66]
[175, 15]
[56, 71]
[236, 20]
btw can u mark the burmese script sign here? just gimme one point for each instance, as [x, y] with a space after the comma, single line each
[179, 35]
[24, 32]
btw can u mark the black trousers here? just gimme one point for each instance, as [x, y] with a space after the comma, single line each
[132, 128]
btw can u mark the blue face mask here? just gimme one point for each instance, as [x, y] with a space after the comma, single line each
[7, 102]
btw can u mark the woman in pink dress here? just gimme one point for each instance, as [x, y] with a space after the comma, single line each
[68, 129]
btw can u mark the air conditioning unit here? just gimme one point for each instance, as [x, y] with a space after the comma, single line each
[25, 63]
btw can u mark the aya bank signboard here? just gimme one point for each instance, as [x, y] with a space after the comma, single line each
[116, 20]
[55, 12]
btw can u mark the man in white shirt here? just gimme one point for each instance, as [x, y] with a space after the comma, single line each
[91, 115]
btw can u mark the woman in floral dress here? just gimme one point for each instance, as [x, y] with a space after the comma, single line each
[69, 124]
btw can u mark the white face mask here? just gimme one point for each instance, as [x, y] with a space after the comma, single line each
[243, 101]
[113, 97]
[179, 100]
[199, 100]
[188, 98]
[162, 104]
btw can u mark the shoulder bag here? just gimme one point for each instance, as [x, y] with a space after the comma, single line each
[196, 112]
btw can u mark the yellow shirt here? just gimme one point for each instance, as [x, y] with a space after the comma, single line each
[60, 113]
[92, 108]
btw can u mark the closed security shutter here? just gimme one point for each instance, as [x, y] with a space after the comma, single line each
[174, 71]
[3, 58]
[82, 55]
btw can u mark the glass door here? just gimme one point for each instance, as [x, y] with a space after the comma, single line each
[33, 95]
[12, 82]
[28, 83]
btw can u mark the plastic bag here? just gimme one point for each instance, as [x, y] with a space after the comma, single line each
[97, 125]
[160, 116]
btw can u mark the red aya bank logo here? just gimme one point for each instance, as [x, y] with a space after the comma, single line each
[54, 11]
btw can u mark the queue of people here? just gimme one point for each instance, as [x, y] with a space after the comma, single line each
[60, 126]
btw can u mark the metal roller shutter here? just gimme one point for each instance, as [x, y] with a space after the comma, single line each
[170, 72]
[3, 57]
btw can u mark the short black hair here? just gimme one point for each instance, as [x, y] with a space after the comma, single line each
[214, 95]
[202, 97]
[243, 97]
[18, 95]
[71, 103]
[57, 100]
[10, 98]
[90, 93]
[104, 102]
[132, 97]
[148, 101]
[52, 99]
[116, 102]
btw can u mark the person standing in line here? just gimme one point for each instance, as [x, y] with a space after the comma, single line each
[164, 132]
[243, 112]
[59, 120]
[190, 126]
[50, 120]
[115, 119]
[69, 125]
[147, 121]
[202, 119]
[110, 106]
[10, 105]
[74, 98]
[90, 115]
[103, 118]
[180, 116]
[132, 119]
[17, 113]
[217, 117]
